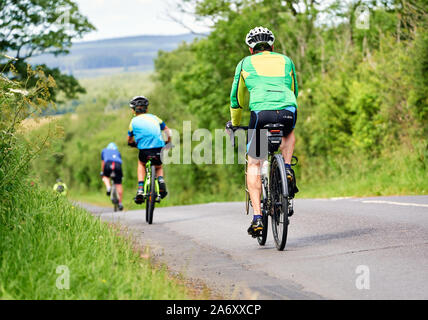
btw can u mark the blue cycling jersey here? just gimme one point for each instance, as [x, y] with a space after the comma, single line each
[147, 130]
[111, 155]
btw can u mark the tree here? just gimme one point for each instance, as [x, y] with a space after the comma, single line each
[33, 27]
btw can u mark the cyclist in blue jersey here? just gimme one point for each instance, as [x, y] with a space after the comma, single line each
[111, 161]
[145, 133]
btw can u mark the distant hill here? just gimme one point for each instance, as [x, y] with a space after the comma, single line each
[94, 58]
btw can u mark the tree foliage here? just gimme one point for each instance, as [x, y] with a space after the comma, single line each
[32, 27]
[363, 91]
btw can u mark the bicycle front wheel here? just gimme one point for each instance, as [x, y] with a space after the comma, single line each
[279, 202]
[151, 198]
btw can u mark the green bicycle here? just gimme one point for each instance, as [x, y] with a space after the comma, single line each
[151, 190]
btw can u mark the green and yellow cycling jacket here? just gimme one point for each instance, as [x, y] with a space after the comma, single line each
[269, 78]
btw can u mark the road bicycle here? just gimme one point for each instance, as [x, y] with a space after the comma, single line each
[276, 200]
[151, 193]
[151, 189]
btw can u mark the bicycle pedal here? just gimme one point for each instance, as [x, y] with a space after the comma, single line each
[139, 199]
[252, 234]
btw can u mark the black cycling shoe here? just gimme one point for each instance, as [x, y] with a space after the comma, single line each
[139, 198]
[162, 189]
[120, 206]
[291, 178]
[255, 228]
[108, 192]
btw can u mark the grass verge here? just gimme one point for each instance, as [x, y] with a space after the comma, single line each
[402, 172]
[43, 235]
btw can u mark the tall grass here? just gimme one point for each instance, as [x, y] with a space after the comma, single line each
[41, 232]
[397, 172]
[49, 248]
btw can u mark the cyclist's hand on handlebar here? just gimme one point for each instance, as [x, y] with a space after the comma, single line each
[132, 144]
[229, 126]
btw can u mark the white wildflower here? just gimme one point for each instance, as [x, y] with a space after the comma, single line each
[20, 91]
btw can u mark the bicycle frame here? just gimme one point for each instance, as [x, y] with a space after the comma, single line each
[148, 180]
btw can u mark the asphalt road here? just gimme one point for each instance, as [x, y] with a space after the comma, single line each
[355, 248]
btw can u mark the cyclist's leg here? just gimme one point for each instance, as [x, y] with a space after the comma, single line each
[106, 181]
[106, 176]
[257, 153]
[287, 147]
[254, 184]
[141, 170]
[119, 189]
[159, 171]
[288, 118]
[118, 181]
[141, 173]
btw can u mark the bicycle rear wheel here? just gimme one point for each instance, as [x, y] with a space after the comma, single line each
[264, 202]
[151, 198]
[279, 197]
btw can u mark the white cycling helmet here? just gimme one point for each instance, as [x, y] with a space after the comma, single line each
[259, 35]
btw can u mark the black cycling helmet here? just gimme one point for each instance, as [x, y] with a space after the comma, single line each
[259, 35]
[139, 101]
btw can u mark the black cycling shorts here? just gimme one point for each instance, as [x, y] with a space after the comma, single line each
[111, 166]
[257, 138]
[153, 154]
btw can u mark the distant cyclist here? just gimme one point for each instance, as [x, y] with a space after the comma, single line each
[60, 187]
[145, 133]
[111, 161]
[270, 79]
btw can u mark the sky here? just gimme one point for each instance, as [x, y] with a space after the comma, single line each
[121, 18]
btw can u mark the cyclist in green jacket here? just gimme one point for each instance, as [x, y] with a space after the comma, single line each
[270, 79]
